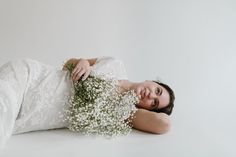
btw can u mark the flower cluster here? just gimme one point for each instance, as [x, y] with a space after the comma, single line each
[97, 107]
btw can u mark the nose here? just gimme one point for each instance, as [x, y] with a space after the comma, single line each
[152, 95]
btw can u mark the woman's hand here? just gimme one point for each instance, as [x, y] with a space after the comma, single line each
[82, 69]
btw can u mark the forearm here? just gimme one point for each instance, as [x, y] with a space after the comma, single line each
[74, 61]
[152, 122]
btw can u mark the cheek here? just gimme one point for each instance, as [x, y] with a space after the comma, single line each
[145, 103]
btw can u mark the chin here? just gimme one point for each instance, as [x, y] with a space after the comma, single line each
[137, 105]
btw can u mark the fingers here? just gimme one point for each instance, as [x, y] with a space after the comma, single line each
[75, 70]
[82, 73]
[82, 69]
[86, 74]
[78, 75]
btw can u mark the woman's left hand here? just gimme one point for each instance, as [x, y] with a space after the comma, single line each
[82, 69]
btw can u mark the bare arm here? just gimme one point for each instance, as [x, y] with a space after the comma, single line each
[82, 67]
[157, 123]
[74, 61]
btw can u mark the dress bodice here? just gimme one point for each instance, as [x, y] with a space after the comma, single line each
[48, 90]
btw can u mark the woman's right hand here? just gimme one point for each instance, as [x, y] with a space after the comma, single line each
[82, 69]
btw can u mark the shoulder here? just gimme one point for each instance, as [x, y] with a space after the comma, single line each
[111, 62]
[109, 66]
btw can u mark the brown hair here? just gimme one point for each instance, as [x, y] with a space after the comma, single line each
[168, 109]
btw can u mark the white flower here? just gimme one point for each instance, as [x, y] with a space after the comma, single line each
[97, 107]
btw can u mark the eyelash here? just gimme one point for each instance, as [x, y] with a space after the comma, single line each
[154, 103]
[158, 90]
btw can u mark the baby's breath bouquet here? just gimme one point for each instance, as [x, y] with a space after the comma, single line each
[97, 107]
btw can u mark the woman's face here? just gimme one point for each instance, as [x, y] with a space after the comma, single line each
[152, 96]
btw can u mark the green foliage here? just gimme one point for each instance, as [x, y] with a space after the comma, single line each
[97, 107]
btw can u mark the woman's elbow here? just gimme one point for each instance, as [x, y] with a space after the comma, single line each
[163, 125]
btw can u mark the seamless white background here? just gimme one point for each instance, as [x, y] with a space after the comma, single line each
[190, 45]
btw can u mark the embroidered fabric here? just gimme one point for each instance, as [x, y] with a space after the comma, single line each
[46, 93]
[33, 95]
[110, 67]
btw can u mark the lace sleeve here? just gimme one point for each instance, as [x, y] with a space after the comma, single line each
[110, 67]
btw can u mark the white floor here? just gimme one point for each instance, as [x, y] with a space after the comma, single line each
[186, 141]
[191, 44]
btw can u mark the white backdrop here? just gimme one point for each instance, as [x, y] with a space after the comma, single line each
[190, 45]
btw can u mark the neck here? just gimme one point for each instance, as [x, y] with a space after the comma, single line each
[125, 85]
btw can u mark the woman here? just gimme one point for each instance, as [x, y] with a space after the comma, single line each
[33, 95]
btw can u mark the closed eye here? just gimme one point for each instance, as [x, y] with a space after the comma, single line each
[155, 104]
[158, 91]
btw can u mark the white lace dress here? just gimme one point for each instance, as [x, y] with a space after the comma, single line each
[33, 94]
